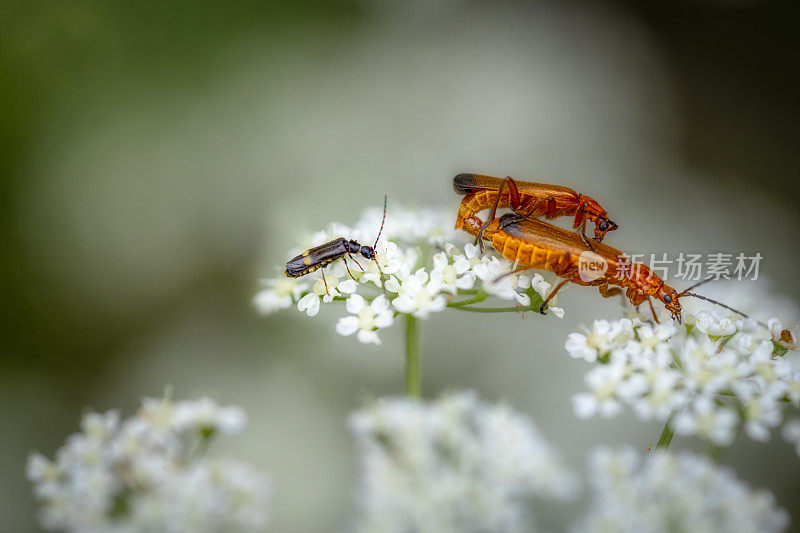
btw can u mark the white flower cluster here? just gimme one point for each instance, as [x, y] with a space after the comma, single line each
[454, 465]
[425, 264]
[708, 376]
[666, 492]
[149, 473]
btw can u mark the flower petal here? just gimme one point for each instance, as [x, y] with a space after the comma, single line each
[369, 337]
[354, 304]
[347, 325]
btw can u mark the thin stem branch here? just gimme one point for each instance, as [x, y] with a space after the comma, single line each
[478, 298]
[666, 436]
[494, 309]
[412, 357]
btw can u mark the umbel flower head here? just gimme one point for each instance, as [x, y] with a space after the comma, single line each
[149, 473]
[422, 266]
[663, 492]
[453, 465]
[709, 376]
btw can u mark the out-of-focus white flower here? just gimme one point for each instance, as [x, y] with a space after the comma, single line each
[279, 294]
[791, 433]
[662, 397]
[456, 464]
[207, 415]
[761, 414]
[150, 473]
[665, 492]
[605, 391]
[366, 318]
[705, 419]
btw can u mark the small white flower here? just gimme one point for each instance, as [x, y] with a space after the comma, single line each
[452, 277]
[367, 318]
[652, 338]
[782, 334]
[597, 342]
[537, 282]
[493, 274]
[419, 296]
[389, 260]
[325, 289]
[279, 294]
[713, 324]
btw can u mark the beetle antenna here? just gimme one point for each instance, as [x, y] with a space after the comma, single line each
[729, 308]
[383, 220]
[709, 278]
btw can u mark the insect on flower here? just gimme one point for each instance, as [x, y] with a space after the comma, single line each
[325, 254]
[532, 243]
[528, 200]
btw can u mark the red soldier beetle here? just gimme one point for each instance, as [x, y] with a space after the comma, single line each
[529, 200]
[534, 244]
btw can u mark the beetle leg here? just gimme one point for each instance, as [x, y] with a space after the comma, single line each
[585, 238]
[580, 215]
[543, 308]
[344, 258]
[353, 259]
[550, 207]
[516, 271]
[479, 238]
[325, 282]
[513, 193]
[608, 292]
[653, 310]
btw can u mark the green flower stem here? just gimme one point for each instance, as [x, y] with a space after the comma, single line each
[716, 453]
[666, 436]
[202, 443]
[478, 298]
[495, 309]
[412, 357]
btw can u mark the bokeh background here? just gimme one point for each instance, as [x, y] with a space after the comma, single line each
[157, 159]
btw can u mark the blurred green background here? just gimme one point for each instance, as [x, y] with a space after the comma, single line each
[157, 159]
